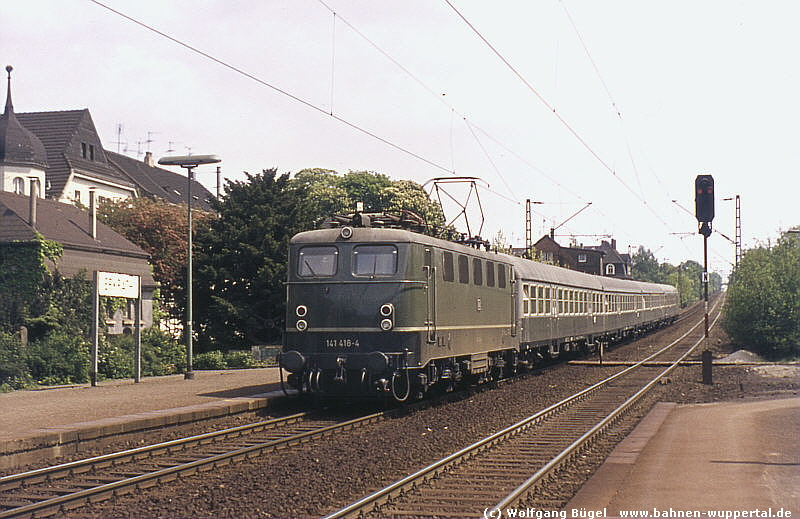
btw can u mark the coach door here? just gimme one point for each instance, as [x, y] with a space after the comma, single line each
[430, 278]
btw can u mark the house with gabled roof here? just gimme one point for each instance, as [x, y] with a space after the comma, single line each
[88, 246]
[63, 150]
[601, 260]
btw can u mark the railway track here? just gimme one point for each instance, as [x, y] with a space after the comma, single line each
[59, 488]
[499, 472]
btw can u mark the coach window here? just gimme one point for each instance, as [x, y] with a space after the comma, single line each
[374, 260]
[463, 269]
[539, 302]
[447, 266]
[546, 300]
[489, 274]
[477, 271]
[526, 299]
[501, 276]
[317, 261]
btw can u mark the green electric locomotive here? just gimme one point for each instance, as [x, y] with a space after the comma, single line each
[391, 313]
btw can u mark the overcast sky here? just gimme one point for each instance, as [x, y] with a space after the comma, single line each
[617, 103]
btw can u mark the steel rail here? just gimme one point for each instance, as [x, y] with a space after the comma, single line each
[586, 438]
[83, 465]
[379, 497]
[73, 500]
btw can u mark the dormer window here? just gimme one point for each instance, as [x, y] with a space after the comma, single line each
[610, 269]
[19, 185]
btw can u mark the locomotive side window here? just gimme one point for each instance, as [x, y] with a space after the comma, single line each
[501, 276]
[489, 274]
[463, 269]
[447, 266]
[317, 261]
[374, 260]
[477, 271]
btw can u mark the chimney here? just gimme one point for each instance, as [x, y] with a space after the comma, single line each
[613, 244]
[93, 214]
[148, 159]
[33, 201]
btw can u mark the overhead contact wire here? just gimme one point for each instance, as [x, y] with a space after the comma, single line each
[275, 88]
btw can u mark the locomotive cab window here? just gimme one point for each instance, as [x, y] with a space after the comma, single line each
[375, 260]
[317, 261]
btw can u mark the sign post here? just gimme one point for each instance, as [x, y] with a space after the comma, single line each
[113, 284]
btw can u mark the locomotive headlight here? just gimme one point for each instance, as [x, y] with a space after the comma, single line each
[301, 325]
[386, 325]
[301, 310]
[387, 309]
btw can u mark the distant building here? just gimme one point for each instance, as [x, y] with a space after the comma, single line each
[23, 217]
[601, 260]
[63, 150]
[614, 264]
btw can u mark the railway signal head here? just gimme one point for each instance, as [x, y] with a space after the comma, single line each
[704, 198]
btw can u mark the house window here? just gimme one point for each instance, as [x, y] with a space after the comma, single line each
[83, 150]
[581, 258]
[91, 152]
[78, 195]
[610, 270]
[19, 185]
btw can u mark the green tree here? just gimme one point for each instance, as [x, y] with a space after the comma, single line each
[762, 310]
[329, 193]
[160, 228]
[645, 267]
[240, 260]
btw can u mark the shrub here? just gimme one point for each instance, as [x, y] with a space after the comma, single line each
[209, 360]
[14, 372]
[239, 359]
[161, 354]
[59, 358]
[762, 309]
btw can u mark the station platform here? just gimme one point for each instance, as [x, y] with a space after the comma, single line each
[55, 421]
[737, 458]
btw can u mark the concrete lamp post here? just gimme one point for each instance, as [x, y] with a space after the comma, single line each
[189, 162]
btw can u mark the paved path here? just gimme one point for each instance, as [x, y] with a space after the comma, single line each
[731, 456]
[46, 424]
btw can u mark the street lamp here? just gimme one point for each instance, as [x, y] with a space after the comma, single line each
[189, 162]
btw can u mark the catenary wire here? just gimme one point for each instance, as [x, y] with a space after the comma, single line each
[275, 88]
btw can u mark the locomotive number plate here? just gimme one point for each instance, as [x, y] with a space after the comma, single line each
[341, 343]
